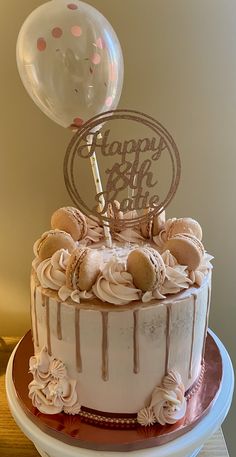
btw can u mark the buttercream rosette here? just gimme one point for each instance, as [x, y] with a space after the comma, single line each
[115, 285]
[51, 272]
[168, 404]
[51, 390]
[76, 295]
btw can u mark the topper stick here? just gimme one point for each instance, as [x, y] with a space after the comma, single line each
[98, 185]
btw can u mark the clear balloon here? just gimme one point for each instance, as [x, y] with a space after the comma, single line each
[70, 61]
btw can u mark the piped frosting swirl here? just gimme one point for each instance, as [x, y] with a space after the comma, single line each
[115, 285]
[51, 272]
[51, 390]
[168, 404]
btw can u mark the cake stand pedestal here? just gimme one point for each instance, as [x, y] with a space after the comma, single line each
[187, 445]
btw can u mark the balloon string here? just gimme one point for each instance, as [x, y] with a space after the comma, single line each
[99, 190]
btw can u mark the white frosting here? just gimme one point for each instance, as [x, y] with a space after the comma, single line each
[162, 237]
[51, 272]
[176, 275]
[76, 295]
[168, 404]
[95, 232]
[176, 279]
[152, 295]
[130, 235]
[51, 390]
[146, 417]
[160, 240]
[115, 285]
[39, 367]
[74, 409]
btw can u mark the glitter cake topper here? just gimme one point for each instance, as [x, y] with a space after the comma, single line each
[141, 170]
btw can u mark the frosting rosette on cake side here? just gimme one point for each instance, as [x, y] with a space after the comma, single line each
[168, 404]
[51, 390]
[39, 367]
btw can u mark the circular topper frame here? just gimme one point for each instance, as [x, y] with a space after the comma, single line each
[104, 209]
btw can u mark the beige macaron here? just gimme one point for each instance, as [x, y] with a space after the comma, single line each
[187, 249]
[70, 220]
[185, 225]
[83, 268]
[158, 223]
[146, 225]
[52, 241]
[147, 268]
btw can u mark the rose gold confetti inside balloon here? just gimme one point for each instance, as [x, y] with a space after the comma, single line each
[70, 61]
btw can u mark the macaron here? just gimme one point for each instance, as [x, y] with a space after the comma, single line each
[187, 249]
[83, 268]
[147, 268]
[185, 225]
[52, 241]
[146, 225]
[158, 223]
[71, 220]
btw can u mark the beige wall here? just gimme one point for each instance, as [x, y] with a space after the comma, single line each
[180, 67]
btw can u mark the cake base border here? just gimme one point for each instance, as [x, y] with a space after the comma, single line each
[120, 440]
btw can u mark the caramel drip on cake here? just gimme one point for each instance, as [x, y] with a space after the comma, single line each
[35, 318]
[136, 342]
[105, 375]
[59, 332]
[206, 323]
[168, 328]
[77, 341]
[193, 336]
[45, 303]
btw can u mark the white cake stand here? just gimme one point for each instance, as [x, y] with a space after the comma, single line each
[187, 445]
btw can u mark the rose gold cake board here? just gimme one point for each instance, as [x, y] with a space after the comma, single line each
[72, 430]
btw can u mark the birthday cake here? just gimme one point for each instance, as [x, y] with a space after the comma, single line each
[120, 295]
[119, 332]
